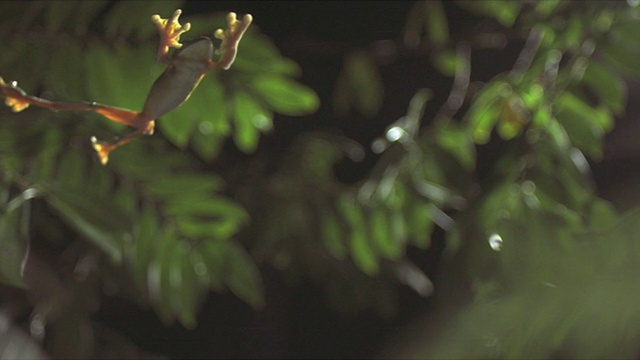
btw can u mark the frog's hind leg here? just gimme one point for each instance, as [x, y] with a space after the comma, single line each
[104, 148]
[18, 100]
[119, 115]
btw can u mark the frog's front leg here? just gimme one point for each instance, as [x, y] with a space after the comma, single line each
[169, 31]
[230, 40]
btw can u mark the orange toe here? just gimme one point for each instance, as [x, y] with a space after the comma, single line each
[102, 149]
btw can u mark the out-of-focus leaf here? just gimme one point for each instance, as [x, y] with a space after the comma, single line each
[202, 116]
[584, 125]
[125, 199]
[51, 146]
[66, 85]
[573, 33]
[192, 290]
[182, 288]
[332, 235]
[485, 110]
[181, 185]
[436, 23]
[558, 134]
[604, 118]
[446, 61]
[104, 239]
[243, 277]
[12, 248]
[430, 17]
[207, 207]
[532, 97]
[257, 54]
[99, 180]
[71, 171]
[194, 228]
[608, 86]
[359, 85]
[99, 221]
[419, 224]
[505, 12]
[114, 76]
[623, 25]
[602, 215]
[159, 281]
[215, 218]
[456, 140]
[19, 60]
[546, 8]
[246, 114]
[362, 254]
[361, 248]
[213, 93]
[172, 272]
[577, 194]
[214, 255]
[482, 122]
[207, 138]
[399, 231]
[207, 146]
[142, 162]
[513, 117]
[144, 243]
[622, 50]
[388, 243]
[285, 96]
[542, 116]
[197, 261]
[178, 126]
[576, 281]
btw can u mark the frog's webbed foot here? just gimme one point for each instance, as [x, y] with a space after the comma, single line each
[169, 31]
[15, 98]
[230, 39]
[104, 148]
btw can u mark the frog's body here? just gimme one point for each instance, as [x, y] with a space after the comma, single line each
[185, 70]
[188, 66]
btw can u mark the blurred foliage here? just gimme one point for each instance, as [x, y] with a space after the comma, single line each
[358, 86]
[163, 230]
[535, 265]
[538, 266]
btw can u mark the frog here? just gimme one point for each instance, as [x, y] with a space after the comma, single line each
[186, 67]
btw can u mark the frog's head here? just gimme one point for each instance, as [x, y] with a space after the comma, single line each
[200, 49]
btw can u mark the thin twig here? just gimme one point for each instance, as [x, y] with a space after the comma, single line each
[527, 54]
[460, 82]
